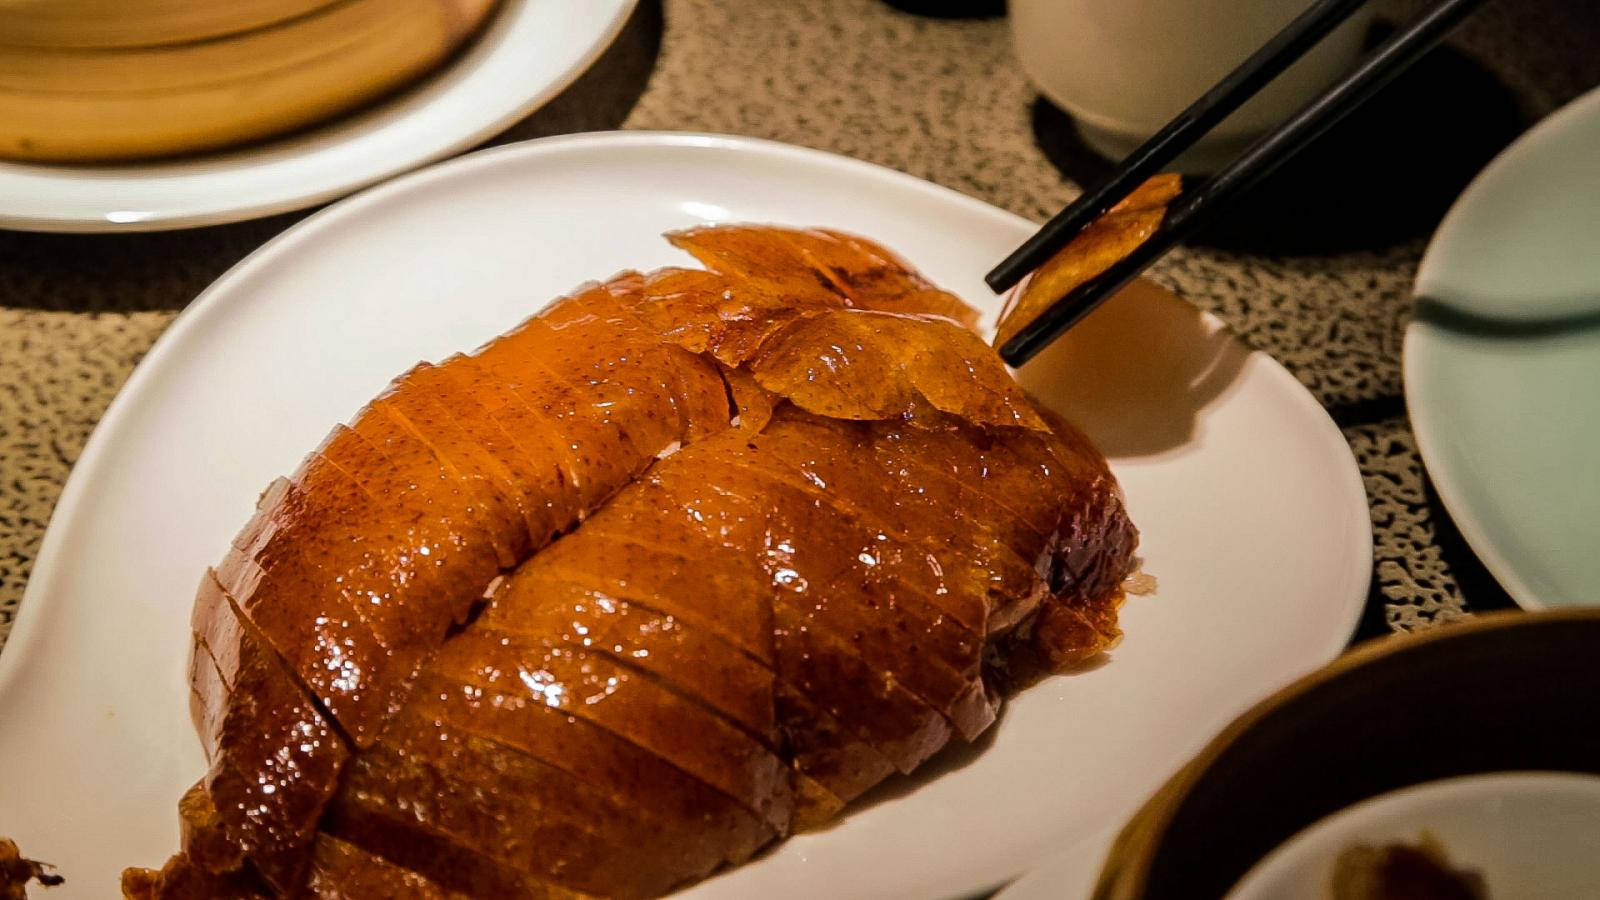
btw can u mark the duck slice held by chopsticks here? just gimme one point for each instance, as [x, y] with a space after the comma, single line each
[687, 561]
[1101, 244]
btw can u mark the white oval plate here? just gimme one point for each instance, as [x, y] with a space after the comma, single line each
[1253, 513]
[528, 53]
[1530, 835]
[1508, 420]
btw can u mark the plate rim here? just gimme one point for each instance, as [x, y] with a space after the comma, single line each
[399, 163]
[75, 499]
[1417, 349]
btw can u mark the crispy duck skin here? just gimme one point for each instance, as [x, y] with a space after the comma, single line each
[682, 564]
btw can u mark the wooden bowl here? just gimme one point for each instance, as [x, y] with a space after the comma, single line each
[1508, 691]
[147, 78]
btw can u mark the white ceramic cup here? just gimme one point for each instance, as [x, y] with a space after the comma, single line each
[1124, 68]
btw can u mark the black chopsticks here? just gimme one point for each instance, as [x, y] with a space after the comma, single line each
[1204, 114]
[1391, 57]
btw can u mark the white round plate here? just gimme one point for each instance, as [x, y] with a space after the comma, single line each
[1530, 835]
[1506, 406]
[529, 52]
[1254, 518]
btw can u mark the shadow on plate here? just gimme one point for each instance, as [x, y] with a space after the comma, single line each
[1137, 372]
[165, 270]
[1408, 151]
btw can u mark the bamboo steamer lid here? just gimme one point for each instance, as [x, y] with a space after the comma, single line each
[96, 89]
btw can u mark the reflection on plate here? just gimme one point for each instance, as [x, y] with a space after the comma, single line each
[1502, 362]
[1252, 511]
[528, 53]
[1526, 834]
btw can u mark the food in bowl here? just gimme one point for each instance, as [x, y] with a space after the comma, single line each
[1401, 870]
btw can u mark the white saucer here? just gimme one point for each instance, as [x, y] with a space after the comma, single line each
[1502, 362]
[1529, 835]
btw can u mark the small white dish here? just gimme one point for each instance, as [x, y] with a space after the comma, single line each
[1253, 515]
[1529, 835]
[1502, 362]
[529, 52]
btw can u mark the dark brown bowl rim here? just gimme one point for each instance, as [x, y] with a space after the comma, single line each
[1124, 874]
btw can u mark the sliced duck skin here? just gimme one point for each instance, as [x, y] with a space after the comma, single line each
[1076, 499]
[858, 548]
[182, 879]
[529, 474]
[692, 823]
[342, 871]
[692, 382]
[835, 460]
[895, 722]
[453, 867]
[425, 544]
[702, 312]
[208, 696]
[685, 492]
[281, 579]
[381, 553]
[869, 365]
[631, 705]
[880, 279]
[340, 660]
[1078, 621]
[596, 556]
[547, 481]
[831, 575]
[274, 732]
[585, 366]
[752, 257]
[462, 458]
[828, 753]
[203, 835]
[824, 460]
[845, 580]
[976, 479]
[448, 471]
[726, 540]
[820, 265]
[630, 776]
[409, 477]
[1090, 540]
[983, 580]
[585, 479]
[524, 813]
[517, 473]
[268, 510]
[697, 597]
[1006, 473]
[611, 560]
[521, 815]
[559, 610]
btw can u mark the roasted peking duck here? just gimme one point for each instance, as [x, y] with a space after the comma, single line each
[680, 565]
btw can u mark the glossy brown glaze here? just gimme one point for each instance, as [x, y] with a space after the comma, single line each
[686, 562]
